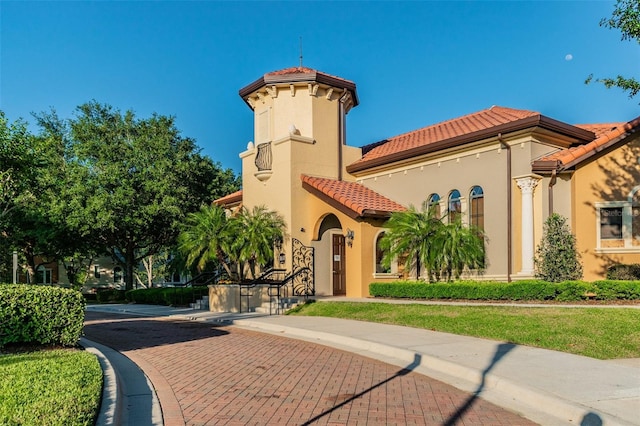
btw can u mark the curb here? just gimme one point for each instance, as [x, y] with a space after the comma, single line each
[128, 396]
[503, 392]
[109, 404]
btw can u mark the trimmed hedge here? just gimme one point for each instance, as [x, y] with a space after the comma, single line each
[624, 272]
[526, 290]
[39, 314]
[169, 296]
[110, 295]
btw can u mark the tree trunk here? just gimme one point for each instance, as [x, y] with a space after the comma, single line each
[130, 261]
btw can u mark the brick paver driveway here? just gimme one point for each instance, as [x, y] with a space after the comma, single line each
[206, 375]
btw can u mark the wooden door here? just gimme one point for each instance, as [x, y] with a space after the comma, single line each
[339, 266]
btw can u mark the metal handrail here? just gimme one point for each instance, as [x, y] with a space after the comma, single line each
[278, 285]
[282, 286]
[203, 279]
[245, 287]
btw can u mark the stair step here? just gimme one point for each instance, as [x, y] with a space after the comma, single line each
[200, 304]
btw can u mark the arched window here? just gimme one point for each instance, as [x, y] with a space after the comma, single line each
[117, 275]
[43, 275]
[434, 202]
[455, 205]
[380, 268]
[476, 207]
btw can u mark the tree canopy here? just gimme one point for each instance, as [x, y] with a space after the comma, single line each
[112, 183]
[626, 18]
[240, 243]
[444, 250]
[557, 258]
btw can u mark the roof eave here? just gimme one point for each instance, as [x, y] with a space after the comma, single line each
[353, 214]
[544, 167]
[316, 77]
[571, 164]
[378, 214]
[524, 123]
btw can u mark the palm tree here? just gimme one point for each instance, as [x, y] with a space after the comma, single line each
[457, 247]
[258, 230]
[410, 233]
[205, 237]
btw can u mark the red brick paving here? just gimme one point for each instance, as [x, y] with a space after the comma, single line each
[209, 375]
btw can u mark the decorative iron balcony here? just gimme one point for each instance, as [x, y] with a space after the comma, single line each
[263, 157]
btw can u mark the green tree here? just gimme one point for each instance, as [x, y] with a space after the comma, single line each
[557, 258]
[256, 230]
[443, 250]
[245, 239]
[457, 248]
[19, 162]
[25, 191]
[411, 234]
[136, 179]
[626, 18]
[206, 238]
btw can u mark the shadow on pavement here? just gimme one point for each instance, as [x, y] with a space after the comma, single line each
[127, 332]
[501, 350]
[591, 419]
[406, 370]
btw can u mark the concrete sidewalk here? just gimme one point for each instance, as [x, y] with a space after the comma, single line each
[546, 386]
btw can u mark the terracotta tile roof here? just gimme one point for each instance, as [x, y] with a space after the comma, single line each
[301, 75]
[600, 129]
[607, 134]
[458, 131]
[293, 70]
[303, 70]
[357, 199]
[232, 198]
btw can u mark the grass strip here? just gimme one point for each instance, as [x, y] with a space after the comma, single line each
[49, 387]
[594, 332]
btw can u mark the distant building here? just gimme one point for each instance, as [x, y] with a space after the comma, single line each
[502, 169]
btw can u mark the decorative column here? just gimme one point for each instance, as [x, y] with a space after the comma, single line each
[527, 185]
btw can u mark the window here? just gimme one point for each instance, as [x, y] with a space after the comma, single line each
[434, 202]
[618, 224]
[43, 275]
[476, 208]
[117, 275]
[96, 271]
[455, 206]
[262, 127]
[380, 269]
[611, 223]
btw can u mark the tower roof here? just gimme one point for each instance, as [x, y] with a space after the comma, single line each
[300, 75]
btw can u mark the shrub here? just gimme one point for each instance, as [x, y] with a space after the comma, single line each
[39, 314]
[169, 296]
[557, 258]
[624, 272]
[526, 290]
[617, 290]
[110, 295]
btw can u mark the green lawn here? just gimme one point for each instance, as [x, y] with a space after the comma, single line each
[603, 333]
[49, 387]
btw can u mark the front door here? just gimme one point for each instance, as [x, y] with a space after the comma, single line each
[338, 263]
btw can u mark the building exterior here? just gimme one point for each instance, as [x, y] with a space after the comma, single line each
[502, 169]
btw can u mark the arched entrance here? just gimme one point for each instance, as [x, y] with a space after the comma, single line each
[331, 244]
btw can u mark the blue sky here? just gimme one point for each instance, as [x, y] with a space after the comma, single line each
[414, 63]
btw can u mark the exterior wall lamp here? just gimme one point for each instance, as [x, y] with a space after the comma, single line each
[350, 235]
[282, 258]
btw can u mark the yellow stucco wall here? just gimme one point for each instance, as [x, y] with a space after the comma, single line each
[609, 178]
[358, 257]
